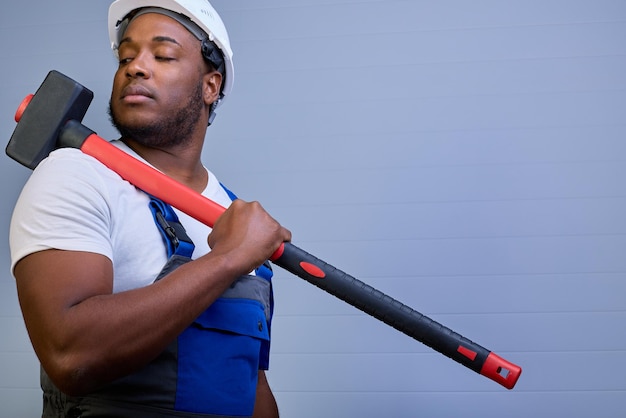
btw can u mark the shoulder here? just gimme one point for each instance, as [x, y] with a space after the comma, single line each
[69, 174]
[74, 202]
[72, 163]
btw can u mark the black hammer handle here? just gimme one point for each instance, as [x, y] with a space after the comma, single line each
[397, 315]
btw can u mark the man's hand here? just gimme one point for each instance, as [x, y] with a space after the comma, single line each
[248, 234]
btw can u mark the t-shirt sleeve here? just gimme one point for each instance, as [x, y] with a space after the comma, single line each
[62, 206]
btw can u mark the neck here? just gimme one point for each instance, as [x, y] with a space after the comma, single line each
[181, 163]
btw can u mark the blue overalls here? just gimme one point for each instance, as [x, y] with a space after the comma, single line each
[210, 370]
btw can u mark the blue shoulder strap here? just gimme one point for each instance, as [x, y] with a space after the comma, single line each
[230, 194]
[176, 239]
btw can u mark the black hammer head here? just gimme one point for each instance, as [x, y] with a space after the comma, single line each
[58, 100]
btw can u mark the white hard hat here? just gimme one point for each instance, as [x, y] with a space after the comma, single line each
[199, 12]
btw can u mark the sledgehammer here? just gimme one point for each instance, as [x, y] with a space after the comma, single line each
[51, 118]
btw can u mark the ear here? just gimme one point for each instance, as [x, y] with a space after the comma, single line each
[212, 82]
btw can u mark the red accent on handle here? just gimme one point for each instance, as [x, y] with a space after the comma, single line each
[278, 253]
[22, 107]
[501, 371]
[313, 270]
[470, 354]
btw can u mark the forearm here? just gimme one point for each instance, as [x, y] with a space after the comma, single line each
[85, 336]
[105, 336]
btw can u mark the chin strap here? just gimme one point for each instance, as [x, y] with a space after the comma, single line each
[212, 113]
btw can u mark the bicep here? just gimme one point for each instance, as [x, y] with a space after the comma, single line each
[51, 282]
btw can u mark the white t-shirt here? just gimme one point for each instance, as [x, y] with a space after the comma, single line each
[73, 202]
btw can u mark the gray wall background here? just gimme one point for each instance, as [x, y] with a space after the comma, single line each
[466, 158]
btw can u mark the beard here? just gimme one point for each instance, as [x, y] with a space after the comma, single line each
[172, 129]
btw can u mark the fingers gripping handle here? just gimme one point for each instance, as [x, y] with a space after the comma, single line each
[397, 315]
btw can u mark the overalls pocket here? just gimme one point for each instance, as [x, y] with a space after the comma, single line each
[218, 358]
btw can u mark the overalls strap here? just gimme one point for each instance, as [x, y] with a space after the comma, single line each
[176, 239]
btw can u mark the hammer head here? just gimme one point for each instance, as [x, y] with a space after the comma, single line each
[58, 100]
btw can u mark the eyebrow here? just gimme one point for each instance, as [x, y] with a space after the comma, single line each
[155, 39]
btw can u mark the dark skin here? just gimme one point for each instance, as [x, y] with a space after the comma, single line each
[86, 336]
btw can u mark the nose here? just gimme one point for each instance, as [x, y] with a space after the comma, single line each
[138, 67]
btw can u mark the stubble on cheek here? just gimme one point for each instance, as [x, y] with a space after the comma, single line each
[174, 127]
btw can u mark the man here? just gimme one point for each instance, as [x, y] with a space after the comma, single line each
[116, 333]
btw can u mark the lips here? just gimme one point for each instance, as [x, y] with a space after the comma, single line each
[136, 92]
